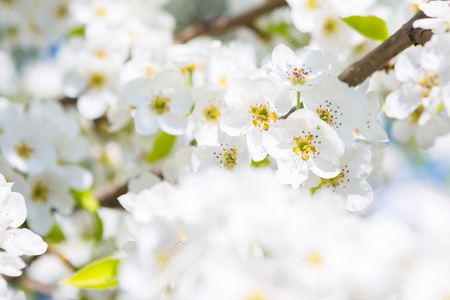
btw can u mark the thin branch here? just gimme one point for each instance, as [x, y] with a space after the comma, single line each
[224, 23]
[108, 197]
[380, 56]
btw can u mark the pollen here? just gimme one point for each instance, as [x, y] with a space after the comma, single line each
[39, 192]
[101, 54]
[61, 11]
[256, 296]
[100, 11]
[189, 69]
[298, 76]
[24, 150]
[150, 72]
[223, 82]
[315, 259]
[160, 104]
[97, 81]
[312, 4]
[335, 181]
[415, 115]
[262, 116]
[304, 146]
[326, 115]
[212, 114]
[228, 159]
[427, 81]
[330, 26]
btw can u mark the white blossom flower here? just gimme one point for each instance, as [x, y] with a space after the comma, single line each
[95, 83]
[49, 194]
[204, 120]
[303, 143]
[341, 107]
[257, 107]
[439, 16]
[161, 102]
[300, 73]
[349, 188]
[231, 154]
[28, 147]
[14, 241]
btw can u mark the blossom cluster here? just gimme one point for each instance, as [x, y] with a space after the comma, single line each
[244, 236]
[421, 104]
[14, 241]
[251, 169]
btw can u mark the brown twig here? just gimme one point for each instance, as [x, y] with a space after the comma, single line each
[108, 197]
[224, 23]
[380, 56]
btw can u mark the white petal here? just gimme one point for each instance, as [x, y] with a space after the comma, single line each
[137, 92]
[172, 124]
[234, 121]
[14, 209]
[91, 105]
[401, 103]
[324, 169]
[10, 264]
[145, 122]
[74, 84]
[24, 241]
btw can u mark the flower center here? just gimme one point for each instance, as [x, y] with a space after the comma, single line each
[212, 114]
[326, 115]
[299, 76]
[427, 81]
[24, 150]
[312, 4]
[223, 82]
[150, 72]
[334, 182]
[228, 159]
[262, 116]
[256, 296]
[314, 258]
[101, 54]
[39, 192]
[61, 11]
[330, 26]
[160, 104]
[97, 81]
[304, 146]
[100, 11]
[415, 115]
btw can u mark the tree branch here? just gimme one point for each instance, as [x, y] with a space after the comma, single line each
[380, 56]
[224, 23]
[108, 197]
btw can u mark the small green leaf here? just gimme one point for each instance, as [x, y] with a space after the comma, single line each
[99, 232]
[86, 200]
[161, 148]
[369, 26]
[314, 189]
[76, 32]
[55, 235]
[100, 274]
[263, 163]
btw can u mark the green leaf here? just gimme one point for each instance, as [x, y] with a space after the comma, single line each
[314, 189]
[100, 274]
[99, 232]
[55, 235]
[263, 163]
[369, 26]
[161, 148]
[76, 32]
[86, 200]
